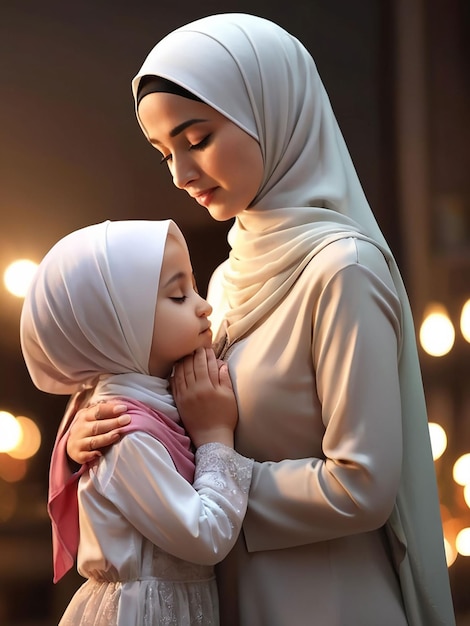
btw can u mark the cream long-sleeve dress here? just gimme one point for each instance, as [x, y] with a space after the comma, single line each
[319, 411]
[322, 352]
[149, 539]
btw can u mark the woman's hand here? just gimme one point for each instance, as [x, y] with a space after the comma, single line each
[95, 427]
[204, 396]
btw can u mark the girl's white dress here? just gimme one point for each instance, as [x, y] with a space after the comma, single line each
[149, 539]
[146, 529]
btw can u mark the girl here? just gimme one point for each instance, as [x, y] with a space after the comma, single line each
[111, 309]
[311, 314]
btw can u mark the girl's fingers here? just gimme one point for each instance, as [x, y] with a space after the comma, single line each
[212, 366]
[198, 369]
[179, 378]
[200, 364]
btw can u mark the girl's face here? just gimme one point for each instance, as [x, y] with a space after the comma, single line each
[210, 157]
[181, 325]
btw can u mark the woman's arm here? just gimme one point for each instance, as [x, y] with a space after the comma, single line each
[353, 487]
[95, 427]
[211, 416]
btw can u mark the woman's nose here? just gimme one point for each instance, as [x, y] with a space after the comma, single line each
[183, 171]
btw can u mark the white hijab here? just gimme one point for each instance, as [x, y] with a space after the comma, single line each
[265, 81]
[88, 317]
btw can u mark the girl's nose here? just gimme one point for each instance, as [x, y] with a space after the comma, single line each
[204, 308]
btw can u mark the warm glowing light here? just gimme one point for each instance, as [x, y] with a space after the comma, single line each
[8, 501]
[18, 275]
[437, 334]
[451, 552]
[466, 495]
[462, 542]
[438, 440]
[10, 432]
[461, 470]
[12, 470]
[465, 321]
[30, 442]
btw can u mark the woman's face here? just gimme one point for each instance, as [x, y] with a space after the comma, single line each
[208, 156]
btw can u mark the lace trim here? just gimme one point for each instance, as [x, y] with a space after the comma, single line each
[222, 463]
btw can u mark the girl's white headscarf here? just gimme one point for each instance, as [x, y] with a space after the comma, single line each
[88, 317]
[265, 81]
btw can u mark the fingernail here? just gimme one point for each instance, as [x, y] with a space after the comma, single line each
[123, 420]
[119, 408]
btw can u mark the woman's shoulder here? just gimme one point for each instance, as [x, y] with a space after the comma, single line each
[347, 252]
[345, 265]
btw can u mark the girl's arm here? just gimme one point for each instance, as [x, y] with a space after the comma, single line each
[210, 417]
[199, 522]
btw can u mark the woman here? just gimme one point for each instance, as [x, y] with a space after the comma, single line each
[343, 522]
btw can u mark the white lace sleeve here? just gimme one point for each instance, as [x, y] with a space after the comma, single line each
[227, 476]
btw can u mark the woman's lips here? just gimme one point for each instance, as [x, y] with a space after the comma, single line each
[204, 198]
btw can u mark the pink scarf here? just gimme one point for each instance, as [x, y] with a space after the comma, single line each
[63, 502]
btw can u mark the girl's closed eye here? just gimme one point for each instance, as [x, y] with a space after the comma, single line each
[179, 299]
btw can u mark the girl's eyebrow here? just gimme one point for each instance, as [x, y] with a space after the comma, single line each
[174, 278]
[179, 129]
[178, 276]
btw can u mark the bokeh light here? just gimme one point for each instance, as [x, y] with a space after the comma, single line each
[30, 442]
[10, 431]
[437, 333]
[465, 321]
[18, 275]
[438, 440]
[450, 552]
[461, 470]
[462, 542]
[466, 495]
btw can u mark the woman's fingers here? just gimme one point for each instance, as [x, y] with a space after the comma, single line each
[95, 427]
[104, 411]
[224, 376]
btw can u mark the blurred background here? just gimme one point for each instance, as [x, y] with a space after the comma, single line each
[72, 154]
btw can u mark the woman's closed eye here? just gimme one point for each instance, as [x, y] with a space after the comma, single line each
[201, 145]
[179, 299]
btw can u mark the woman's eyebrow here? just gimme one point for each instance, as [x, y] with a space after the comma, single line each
[178, 129]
